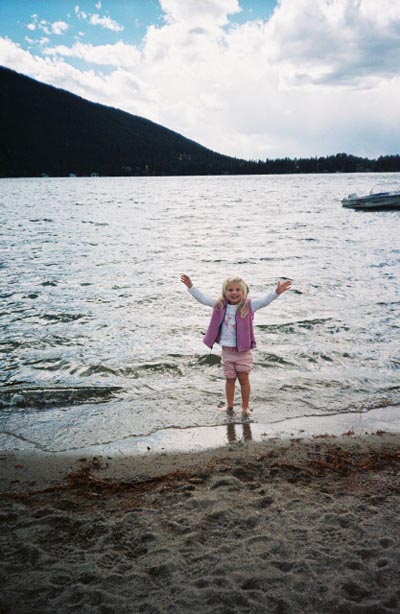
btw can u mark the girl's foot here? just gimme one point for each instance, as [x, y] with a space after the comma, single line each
[226, 409]
[245, 412]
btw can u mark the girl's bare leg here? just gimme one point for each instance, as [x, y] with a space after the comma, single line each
[244, 380]
[230, 393]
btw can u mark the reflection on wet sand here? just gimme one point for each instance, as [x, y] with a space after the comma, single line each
[246, 432]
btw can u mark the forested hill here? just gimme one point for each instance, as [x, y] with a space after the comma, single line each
[45, 130]
[48, 131]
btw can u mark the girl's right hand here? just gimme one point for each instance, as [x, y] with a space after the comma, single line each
[185, 279]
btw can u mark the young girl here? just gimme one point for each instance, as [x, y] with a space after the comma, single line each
[231, 326]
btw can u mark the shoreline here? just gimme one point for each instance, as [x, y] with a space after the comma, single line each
[31, 471]
[235, 430]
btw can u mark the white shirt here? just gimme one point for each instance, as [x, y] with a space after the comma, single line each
[228, 328]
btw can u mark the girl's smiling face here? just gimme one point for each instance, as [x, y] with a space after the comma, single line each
[234, 293]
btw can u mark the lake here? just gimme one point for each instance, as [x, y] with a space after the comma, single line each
[101, 344]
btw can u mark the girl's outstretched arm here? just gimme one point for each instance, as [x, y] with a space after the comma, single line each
[185, 279]
[196, 293]
[263, 301]
[283, 286]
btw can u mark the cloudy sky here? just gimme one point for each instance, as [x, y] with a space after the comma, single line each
[250, 78]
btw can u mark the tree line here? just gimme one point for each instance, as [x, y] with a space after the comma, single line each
[338, 163]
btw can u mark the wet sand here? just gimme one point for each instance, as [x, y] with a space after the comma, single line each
[279, 526]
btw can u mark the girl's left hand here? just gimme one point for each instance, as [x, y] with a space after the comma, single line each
[283, 286]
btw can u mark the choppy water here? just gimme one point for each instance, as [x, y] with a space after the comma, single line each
[102, 344]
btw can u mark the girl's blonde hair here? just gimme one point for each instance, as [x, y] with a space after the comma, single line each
[243, 306]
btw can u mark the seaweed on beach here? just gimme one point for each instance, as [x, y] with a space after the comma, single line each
[336, 462]
[90, 489]
[302, 465]
[344, 462]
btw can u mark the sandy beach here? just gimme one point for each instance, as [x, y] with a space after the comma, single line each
[278, 526]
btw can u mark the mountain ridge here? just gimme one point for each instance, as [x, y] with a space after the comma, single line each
[47, 131]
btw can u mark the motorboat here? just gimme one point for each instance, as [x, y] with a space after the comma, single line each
[375, 200]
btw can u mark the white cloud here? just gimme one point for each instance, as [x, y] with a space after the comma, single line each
[119, 55]
[59, 27]
[320, 76]
[14, 56]
[195, 13]
[44, 26]
[105, 22]
[80, 14]
[336, 41]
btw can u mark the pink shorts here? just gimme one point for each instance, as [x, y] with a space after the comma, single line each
[234, 362]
